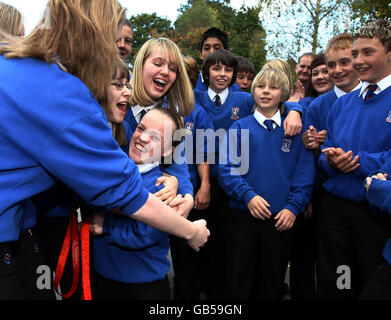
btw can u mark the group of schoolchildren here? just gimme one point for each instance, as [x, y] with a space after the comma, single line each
[298, 177]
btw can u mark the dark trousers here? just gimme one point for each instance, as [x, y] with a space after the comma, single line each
[259, 258]
[303, 258]
[10, 285]
[350, 244]
[24, 274]
[204, 271]
[379, 285]
[107, 289]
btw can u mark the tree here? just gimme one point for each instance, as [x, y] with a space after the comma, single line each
[307, 25]
[364, 11]
[147, 26]
[245, 31]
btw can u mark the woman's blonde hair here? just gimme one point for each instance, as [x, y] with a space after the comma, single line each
[10, 19]
[282, 65]
[273, 77]
[78, 34]
[180, 96]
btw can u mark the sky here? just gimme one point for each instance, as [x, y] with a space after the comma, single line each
[32, 10]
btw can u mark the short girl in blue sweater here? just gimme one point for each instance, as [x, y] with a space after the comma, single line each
[265, 200]
[130, 256]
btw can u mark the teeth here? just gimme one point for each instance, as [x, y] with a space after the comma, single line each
[162, 82]
[139, 147]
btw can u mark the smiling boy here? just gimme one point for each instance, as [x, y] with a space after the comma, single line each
[358, 142]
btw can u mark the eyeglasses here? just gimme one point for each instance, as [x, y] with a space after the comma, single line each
[120, 85]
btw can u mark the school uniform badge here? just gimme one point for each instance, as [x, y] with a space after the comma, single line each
[189, 127]
[286, 145]
[388, 119]
[235, 114]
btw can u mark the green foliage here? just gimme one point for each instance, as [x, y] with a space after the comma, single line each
[364, 10]
[245, 31]
[147, 26]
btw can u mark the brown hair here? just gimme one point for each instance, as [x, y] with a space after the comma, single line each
[120, 71]
[10, 19]
[191, 69]
[380, 29]
[78, 34]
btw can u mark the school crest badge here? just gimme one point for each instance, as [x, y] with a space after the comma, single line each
[388, 119]
[235, 114]
[286, 145]
[189, 127]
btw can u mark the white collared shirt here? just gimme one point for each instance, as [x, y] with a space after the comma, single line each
[382, 85]
[223, 95]
[137, 111]
[261, 118]
[340, 92]
[145, 167]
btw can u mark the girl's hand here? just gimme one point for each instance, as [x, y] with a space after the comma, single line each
[169, 192]
[286, 219]
[183, 205]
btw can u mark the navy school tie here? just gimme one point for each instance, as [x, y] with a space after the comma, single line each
[269, 124]
[371, 91]
[142, 114]
[217, 100]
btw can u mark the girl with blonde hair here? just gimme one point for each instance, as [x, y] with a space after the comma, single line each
[61, 133]
[11, 21]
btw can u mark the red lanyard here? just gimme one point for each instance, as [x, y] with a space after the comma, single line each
[72, 234]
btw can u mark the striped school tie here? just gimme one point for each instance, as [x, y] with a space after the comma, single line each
[142, 114]
[371, 91]
[269, 124]
[217, 100]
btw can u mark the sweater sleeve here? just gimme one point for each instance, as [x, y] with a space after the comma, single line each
[181, 172]
[302, 182]
[85, 157]
[379, 194]
[129, 233]
[230, 174]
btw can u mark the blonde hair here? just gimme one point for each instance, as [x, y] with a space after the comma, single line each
[78, 34]
[282, 65]
[180, 96]
[273, 77]
[380, 29]
[10, 19]
[340, 42]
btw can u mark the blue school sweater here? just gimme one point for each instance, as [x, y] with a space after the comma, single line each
[201, 86]
[179, 170]
[196, 148]
[363, 127]
[238, 105]
[317, 112]
[280, 170]
[52, 127]
[130, 251]
[305, 103]
[379, 194]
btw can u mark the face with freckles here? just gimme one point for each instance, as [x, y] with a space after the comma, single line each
[152, 138]
[159, 74]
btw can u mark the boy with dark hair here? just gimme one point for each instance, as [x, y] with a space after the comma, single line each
[351, 235]
[245, 74]
[213, 39]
